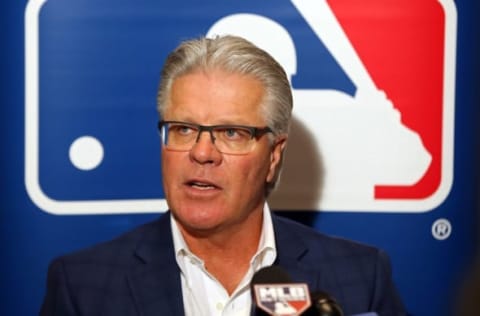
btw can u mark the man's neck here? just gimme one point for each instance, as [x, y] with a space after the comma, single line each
[227, 253]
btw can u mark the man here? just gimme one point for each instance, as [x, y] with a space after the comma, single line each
[225, 108]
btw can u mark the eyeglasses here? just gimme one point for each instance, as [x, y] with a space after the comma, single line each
[228, 139]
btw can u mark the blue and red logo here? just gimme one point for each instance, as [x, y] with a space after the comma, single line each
[373, 85]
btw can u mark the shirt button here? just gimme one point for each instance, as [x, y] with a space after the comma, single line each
[219, 306]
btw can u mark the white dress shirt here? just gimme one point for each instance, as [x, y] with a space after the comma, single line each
[203, 295]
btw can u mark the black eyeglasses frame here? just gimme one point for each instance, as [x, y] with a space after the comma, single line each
[255, 132]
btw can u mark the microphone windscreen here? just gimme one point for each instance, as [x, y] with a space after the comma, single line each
[325, 305]
[270, 275]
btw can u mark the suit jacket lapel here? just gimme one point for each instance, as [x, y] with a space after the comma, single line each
[155, 281]
[291, 250]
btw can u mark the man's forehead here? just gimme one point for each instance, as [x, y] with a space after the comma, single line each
[222, 97]
[213, 117]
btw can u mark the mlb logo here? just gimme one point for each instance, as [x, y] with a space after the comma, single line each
[389, 146]
[373, 87]
[282, 299]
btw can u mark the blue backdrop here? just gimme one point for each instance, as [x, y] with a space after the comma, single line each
[98, 70]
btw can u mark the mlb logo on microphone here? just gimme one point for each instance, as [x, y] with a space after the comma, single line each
[373, 84]
[282, 299]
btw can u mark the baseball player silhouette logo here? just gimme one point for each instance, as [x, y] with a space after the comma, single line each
[386, 144]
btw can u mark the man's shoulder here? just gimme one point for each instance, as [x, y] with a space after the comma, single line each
[101, 277]
[319, 244]
[118, 251]
[356, 274]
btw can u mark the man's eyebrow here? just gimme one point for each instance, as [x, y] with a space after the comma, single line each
[221, 122]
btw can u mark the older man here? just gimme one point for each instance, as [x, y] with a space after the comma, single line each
[225, 108]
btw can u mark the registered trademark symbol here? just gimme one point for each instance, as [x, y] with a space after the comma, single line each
[441, 229]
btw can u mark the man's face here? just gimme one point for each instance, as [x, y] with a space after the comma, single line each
[205, 189]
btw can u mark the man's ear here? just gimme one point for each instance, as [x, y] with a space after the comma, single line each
[276, 158]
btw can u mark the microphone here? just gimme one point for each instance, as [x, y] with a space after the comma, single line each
[325, 305]
[272, 275]
[274, 293]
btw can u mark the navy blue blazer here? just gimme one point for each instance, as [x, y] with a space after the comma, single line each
[137, 274]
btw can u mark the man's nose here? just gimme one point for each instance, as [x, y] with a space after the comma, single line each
[204, 149]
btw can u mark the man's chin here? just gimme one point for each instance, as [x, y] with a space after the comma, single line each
[201, 225]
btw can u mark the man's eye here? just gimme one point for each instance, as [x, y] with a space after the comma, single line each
[236, 134]
[231, 132]
[182, 129]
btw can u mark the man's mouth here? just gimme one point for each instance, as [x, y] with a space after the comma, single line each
[201, 185]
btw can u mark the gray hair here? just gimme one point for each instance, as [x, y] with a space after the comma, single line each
[236, 55]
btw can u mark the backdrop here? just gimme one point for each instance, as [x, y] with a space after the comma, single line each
[383, 146]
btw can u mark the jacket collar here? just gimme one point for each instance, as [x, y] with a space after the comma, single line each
[292, 251]
[155, 282]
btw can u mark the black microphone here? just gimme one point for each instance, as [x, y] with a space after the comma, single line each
[325, 305]
[272, 275]
[274, 293]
